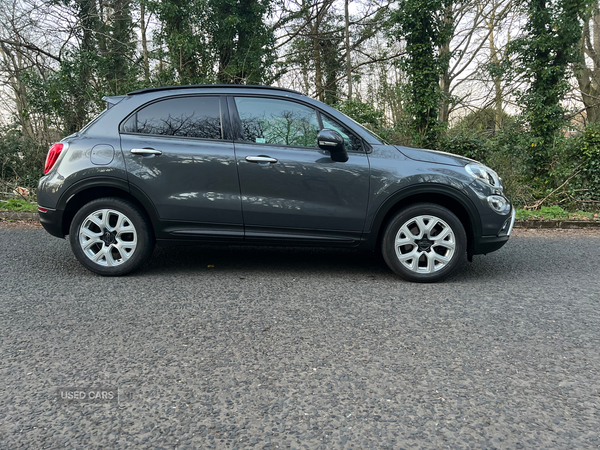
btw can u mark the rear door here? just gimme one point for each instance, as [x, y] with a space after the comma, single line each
[176, 154]
[291, 190]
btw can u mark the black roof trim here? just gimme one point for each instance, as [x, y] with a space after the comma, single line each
[220, 86]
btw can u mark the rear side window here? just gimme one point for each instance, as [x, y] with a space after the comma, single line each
[280, 122]
[194, 117]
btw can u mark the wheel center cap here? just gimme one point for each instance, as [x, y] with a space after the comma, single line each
[108, 237]
[424, 244]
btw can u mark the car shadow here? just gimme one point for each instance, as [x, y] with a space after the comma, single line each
[197, 258]
[307, 261]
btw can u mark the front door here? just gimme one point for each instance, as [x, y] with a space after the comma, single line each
[291, 189]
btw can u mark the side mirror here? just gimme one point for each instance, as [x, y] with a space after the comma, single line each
[333, 142]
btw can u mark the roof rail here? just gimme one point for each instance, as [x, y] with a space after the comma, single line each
[221, 86]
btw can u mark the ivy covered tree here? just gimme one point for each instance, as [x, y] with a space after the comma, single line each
[545, 55]
[101, 63]
[181, 50]
[242, 40]
[425, 26]
[207, 41]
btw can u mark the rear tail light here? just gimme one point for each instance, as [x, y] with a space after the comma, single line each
[53, 155]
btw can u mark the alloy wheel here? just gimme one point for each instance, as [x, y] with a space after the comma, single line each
[108, 237]
[425, 244]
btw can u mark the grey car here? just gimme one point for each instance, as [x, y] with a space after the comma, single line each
[262, 165]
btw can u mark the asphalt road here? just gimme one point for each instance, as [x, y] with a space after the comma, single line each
[301, 349]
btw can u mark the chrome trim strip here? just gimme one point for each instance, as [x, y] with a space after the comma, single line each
[512, 221]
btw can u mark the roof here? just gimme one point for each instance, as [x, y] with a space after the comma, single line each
[204, 86]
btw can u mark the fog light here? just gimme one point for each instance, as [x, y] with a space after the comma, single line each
[499, 204]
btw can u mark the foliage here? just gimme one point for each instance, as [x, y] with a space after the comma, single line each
[209, 41]
[185, 63]
[505, 152]
[572, 177]
[242, 40]
[425, 25]
[18, 205]
[464, 143]
[21, 159]
[66, 97]
[553, 213]
[590, 159]
[363, 113]
[318, 50]
[484, 121]
[102, 64]
[544, 56]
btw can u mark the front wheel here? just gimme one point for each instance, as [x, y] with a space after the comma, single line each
[111, 237]
[424, 242]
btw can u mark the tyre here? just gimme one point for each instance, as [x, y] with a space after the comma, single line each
[424, 242]
[111, 237]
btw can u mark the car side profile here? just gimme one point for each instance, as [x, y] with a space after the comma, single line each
[262, 165]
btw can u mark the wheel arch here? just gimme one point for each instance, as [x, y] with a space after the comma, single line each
[87, 190]
[445, 196]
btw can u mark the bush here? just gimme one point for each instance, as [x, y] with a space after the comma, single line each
[484, 121]
[465, 144]
[590, 160]
[363, 113]
[21, 159]
[505, 152]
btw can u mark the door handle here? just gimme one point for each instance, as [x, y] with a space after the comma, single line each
[145, 151]
[261, 159]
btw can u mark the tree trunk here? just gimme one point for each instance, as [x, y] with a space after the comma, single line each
[588, 78]
[317, 59]
[348, 59]
[498, 93]
[445, 78]
[445, 89]
[144, 41]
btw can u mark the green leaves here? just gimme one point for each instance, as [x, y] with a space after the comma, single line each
[363, 113]
[590, 154]
[211, 41]
[21, 159]
[425, 26]
[544, 56]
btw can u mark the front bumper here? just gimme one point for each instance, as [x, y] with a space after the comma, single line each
[488, 244]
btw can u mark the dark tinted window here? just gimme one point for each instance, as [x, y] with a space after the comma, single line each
[351, 142]
[197, 117]
[272, 121]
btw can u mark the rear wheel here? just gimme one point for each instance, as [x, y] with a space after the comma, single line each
[111, 237]
[424, 242]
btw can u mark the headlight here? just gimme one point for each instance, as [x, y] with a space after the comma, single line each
[485, 174]
[499, 204]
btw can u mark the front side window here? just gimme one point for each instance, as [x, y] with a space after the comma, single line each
[351, 142]
[280, 122]
[194, 117]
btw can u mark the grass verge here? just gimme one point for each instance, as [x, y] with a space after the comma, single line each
[17, 205]
[555, 213]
